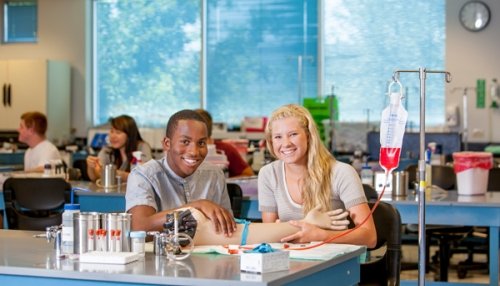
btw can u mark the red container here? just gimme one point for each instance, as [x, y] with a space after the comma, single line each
[472, 170]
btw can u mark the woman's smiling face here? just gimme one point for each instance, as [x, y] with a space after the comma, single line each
[117, 138]
[289, 140]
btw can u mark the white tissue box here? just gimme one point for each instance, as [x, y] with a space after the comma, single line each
[265, 262]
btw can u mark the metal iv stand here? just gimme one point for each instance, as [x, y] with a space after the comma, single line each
[421, 167]
[465, 128]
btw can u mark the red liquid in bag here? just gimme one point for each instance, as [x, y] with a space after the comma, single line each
[389, 158]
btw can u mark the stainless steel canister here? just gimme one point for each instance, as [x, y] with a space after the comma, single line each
[117, 226]
[108, 176]
[85, 226]
[400, 183]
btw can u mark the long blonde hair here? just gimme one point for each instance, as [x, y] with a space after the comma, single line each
[317, 183]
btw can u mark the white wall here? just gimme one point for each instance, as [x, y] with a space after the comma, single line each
[469, 56]
[61, 36]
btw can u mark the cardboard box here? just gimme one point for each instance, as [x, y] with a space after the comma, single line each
[265, 262]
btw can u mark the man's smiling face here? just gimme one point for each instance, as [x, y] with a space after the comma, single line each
[187, 148]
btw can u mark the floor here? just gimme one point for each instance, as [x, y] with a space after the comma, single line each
[410, 254]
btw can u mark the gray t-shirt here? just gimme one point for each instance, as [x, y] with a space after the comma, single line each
[347, 190]
[154, 184]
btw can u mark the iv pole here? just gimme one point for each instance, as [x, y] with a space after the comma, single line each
[465, 128]
[421, 167]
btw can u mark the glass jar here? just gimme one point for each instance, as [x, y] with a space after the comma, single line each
[138, 242]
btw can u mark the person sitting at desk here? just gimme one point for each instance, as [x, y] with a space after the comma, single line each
[124, 138]
[179, 179]
[238, 167]
[307, 175]
[41, 151]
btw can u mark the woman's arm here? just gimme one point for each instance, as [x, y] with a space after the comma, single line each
[364, 235]
[93, 168]
[256, 232]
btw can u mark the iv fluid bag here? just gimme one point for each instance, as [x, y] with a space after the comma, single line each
[392, 129]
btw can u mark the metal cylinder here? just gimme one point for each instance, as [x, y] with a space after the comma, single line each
[108, 176]
[85, 226]
[400, 183]
[117, 227]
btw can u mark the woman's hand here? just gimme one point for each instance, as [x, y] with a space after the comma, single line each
[307, 233]
[93, 167]
[333, 220]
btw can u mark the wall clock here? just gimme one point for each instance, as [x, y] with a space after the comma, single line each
[474, 16]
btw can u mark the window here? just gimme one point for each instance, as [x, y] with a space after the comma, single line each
[146, 59]
[365, 41]
[20, 21]
[260, 54]
[153, 58]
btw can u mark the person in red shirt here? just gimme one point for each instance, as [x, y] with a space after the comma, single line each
[238, 167]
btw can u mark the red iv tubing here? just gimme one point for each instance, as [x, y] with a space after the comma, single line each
[389, 160]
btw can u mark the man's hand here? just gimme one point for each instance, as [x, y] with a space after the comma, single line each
[332, 220]
[221, 219]
[307, 233]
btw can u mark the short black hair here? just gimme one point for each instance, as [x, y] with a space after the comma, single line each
[208, 119]
[185, 114]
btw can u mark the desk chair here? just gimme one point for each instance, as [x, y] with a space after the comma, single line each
[236, 198]
[81, 164]
[370, 193]
[494, 180]
[35, 203]
[384, 269]
[445, 237]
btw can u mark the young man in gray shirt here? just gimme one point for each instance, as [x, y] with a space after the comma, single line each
[179, 179]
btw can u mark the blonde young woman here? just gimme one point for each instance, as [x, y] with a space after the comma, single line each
[307, 176]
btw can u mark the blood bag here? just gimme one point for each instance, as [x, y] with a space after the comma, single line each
[392, 129]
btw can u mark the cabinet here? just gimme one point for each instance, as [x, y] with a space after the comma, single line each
[36, 85]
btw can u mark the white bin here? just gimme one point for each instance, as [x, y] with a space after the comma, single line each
[472, 169]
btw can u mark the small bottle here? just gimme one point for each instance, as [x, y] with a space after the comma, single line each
[494, 93]
[47, 170]
[136, 159]
[138, 242]
[367, 175]
[428, 169]
[67, 228]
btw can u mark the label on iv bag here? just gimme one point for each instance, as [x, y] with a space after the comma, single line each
[392, 129]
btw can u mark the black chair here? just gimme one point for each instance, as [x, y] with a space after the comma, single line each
[449, 239]
[384, 269]
[236, 198]
[81, 164]
[494, 180]
[35, 203]
[370, 193]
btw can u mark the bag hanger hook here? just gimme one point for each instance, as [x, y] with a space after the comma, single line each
[395, 80]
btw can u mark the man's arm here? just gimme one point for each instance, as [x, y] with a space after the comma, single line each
[146, 218]
[221, 218]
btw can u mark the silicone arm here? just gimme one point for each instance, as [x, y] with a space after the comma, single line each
[257, 232]
[333, 220]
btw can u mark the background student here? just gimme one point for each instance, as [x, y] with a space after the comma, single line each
[124, 138]
[41, 151]
[238, 167]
